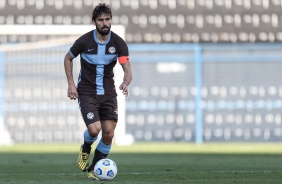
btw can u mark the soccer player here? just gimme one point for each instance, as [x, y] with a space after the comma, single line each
[99, 51]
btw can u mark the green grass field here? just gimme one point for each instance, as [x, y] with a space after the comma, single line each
[147, 163]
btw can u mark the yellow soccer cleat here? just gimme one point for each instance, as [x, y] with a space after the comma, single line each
[83, 159]
[91, 176]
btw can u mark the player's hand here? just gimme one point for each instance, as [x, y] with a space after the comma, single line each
[72, 92]
[124, 89]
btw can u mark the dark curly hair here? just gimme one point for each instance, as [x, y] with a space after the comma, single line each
[101, 9]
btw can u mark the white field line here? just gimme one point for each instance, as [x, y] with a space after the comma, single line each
[58, 174]
[133, 173]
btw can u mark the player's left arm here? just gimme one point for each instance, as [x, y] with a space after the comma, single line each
[126, 78]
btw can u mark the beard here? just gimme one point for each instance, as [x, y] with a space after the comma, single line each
[105, 31]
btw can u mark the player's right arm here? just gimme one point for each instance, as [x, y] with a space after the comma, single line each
[72, 92]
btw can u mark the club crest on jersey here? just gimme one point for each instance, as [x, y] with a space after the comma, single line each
[90, 115]
[112, 50]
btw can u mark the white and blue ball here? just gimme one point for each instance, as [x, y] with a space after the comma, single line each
[105, 169]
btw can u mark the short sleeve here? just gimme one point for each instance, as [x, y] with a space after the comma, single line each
[76, 48]
[123, 56]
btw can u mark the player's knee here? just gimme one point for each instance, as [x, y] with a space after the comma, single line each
[94, 129]
[93, 132]
[108, 137]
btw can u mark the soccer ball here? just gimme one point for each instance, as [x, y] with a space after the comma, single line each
[105, 169]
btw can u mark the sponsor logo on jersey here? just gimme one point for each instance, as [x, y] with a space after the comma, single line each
[90, 50]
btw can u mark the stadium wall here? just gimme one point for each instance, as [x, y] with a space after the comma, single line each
[180, 92]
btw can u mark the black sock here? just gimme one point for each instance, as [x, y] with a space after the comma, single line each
[86, 147]
[98, 156]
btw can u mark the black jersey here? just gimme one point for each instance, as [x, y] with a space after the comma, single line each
[97, 62]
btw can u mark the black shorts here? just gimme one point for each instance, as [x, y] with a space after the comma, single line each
[98, 107]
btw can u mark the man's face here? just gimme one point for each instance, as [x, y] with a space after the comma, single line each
[103, 24]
